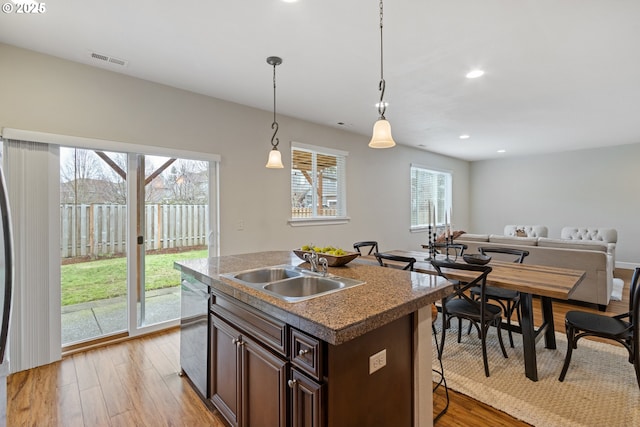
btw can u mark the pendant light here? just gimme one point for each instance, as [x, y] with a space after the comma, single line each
[381, 129]
[275, 159]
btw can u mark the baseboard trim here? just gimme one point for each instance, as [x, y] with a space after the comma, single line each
[627, 265]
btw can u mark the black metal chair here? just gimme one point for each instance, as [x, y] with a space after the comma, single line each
[372, 244]
[508, 299]
[408, 261]
[451, 249]
[623, 328]
[440, 372]
[479, 312]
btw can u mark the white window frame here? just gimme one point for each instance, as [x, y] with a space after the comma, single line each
[341, 196]
[419, 206]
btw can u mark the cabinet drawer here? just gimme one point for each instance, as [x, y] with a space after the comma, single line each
[265, 329]
[306, 353]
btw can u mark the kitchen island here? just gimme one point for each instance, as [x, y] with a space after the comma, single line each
[358, 356]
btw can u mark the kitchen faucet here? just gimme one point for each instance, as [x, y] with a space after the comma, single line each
[313, 259]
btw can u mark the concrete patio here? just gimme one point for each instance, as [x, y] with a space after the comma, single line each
[84, 321]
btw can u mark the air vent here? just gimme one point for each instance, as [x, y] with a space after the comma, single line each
[108, 59]
[117, 61]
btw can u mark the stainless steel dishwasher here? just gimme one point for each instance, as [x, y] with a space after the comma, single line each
[194, 332]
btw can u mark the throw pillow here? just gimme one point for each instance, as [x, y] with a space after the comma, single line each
[520, 232]
[443, 237]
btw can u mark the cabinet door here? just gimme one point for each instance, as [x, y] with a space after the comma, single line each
[264, 382]
[306, 401]
[225, 369]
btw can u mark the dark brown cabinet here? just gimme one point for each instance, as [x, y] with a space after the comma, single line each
[225, 370]
[248, 382]
[253, 380]
[307, 407]
[264, 372]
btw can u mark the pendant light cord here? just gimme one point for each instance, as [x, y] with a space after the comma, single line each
[381, 105]
[274, 125]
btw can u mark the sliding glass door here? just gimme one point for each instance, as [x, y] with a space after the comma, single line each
[125, 219]
[93, 246]
[171, 224]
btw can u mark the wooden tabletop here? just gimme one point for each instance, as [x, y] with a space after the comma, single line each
[540, 280]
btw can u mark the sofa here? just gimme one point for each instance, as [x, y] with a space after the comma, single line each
[579, 248]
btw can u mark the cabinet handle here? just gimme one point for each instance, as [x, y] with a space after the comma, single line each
[235, 341]
[302, 352]
[292, 383]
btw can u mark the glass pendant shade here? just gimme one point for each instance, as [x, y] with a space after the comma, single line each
[275, 159]
[382, 135]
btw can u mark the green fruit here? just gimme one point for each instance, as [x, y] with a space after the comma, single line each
[329, 250]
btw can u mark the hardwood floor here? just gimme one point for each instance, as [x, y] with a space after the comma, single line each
[135, 383]
[132, 383]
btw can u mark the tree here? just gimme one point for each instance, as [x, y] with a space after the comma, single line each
[86, 178]
[188, 182]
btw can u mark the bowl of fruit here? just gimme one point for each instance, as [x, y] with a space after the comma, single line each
[335, 256]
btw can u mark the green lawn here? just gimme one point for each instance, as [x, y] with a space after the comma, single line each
[106, 278]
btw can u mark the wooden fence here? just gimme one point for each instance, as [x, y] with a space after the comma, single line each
[101, 229]
[308, 212]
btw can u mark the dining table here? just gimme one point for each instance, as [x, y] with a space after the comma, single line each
[547, 283]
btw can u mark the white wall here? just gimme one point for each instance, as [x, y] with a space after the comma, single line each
[597, 187]
[47, 94]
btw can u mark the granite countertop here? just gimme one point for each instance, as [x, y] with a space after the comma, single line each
[338, 317]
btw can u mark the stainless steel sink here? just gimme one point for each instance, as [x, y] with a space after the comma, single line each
[304, 286]
[267, 275]
[291, 283]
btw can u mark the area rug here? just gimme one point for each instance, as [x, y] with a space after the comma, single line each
[616, 292]
[600, 388]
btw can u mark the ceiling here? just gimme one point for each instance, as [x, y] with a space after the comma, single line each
[560, 75]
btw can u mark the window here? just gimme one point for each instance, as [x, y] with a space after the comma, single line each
[429, 186]
[318, 184]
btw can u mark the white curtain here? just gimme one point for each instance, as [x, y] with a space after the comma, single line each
[32, 172]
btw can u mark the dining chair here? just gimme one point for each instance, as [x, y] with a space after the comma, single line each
[451, 249]
[456, 249]
[372, 244]
[442, 381]
[623, 328]
[479, 312]
[408, 261]
[507, 298]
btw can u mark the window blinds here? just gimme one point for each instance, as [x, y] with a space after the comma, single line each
[32, 173]
[429, 186]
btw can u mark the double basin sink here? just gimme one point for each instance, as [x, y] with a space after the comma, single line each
[291, 283]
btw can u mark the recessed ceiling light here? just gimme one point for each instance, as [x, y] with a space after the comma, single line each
[502, 151]
[464, 136]
[289, 1]
[474, 74]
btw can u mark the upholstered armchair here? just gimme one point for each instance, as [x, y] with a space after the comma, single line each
[594, 234]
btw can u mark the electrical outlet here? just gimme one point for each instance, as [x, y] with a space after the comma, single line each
[377, 361]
